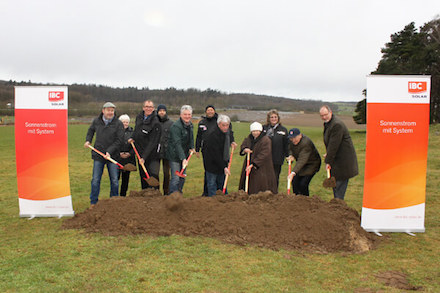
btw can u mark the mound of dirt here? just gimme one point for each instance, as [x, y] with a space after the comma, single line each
[263, 219]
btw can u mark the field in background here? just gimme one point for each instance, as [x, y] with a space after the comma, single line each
[36, 255]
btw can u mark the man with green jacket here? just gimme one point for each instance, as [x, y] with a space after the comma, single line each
[308, 161]
[180, 145]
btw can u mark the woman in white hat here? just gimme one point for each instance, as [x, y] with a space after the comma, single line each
[261, 173]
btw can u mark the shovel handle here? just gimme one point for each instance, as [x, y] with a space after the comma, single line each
[184, 167]
[246, 185]
[328, 173]
[110, 159]
[139, 160]
[229, 169]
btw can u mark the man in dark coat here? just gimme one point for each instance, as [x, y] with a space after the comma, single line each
[109, 136]
[146, 137]
[180, 145]
[262, 175]
[216, 155]
[341, 157]
[205, 127]
[166, 125]
[308, 161]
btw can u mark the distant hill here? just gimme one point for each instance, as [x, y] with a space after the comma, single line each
[84, 98]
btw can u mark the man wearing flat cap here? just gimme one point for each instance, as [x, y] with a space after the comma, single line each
[308, 161]
[109, 138]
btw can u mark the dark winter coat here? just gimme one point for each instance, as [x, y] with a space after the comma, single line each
[166, 125]
[205, 127]
[127, 148]
[341, 155]
[180, 141]
[280, 143]
[213, 156]
[109, 137]
[306, 155]
[262, 176]
[147, 136]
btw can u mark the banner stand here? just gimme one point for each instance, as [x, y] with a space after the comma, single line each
[396, 153]
[41, 151]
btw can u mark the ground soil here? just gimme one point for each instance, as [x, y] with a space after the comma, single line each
[266, 220]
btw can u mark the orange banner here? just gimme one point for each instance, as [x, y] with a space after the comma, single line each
[41, 151]
[396, 153]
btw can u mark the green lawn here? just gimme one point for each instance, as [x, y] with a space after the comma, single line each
[38, 256]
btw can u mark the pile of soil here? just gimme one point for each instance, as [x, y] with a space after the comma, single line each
[267, 220]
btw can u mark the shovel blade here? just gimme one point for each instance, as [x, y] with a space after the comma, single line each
[129, 167]
[181, 175]
[152, 181]
[329, 182]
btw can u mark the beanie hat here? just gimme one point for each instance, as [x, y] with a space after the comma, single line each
[256, 126]
[209, 106]
[160, 107]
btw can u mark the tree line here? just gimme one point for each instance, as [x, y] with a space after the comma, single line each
[83, 99]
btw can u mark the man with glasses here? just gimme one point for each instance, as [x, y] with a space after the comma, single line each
[146, 137]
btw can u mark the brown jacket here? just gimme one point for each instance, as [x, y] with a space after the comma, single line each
[262, 176]
[306, 155]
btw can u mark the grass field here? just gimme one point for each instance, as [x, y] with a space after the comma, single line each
[37, 256]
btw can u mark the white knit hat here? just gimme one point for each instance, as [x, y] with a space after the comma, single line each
[256, 126]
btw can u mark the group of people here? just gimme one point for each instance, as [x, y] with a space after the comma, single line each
[155, 139]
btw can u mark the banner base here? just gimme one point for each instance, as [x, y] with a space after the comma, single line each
[47, 215]
[59, 207]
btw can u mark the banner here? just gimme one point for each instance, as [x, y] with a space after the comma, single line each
[41, 151]
[396, 153]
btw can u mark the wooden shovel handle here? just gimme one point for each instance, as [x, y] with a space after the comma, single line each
[102, 154]
[139, 160]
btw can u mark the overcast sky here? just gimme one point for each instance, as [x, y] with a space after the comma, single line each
[309, 50]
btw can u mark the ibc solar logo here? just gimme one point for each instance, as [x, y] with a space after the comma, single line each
[56, 96]
[415, 87]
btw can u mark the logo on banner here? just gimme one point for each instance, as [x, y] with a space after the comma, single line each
[416, 88]
[56, 96]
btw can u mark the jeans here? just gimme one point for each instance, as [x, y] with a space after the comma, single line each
[301, 184]
[214, 182]
[176, 182]
[340, 189]
[98, 168]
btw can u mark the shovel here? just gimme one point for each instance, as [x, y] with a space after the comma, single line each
[288, 181]
[150, 180]
[128, 167]
[180, 174]
[229, 169]
[330, 182]
[246, 184]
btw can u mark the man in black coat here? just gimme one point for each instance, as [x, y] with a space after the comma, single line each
[341, 157]
[205, 127]
[109, 137]
[166, 125]
[216, 155]
[146, 135]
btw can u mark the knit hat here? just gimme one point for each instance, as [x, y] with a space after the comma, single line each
[209, 106]
[256, 126]
[161, 107]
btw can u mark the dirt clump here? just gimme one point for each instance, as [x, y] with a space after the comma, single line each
[266, 220]
[397, 280]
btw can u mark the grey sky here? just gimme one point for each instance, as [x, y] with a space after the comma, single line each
[309, 49]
